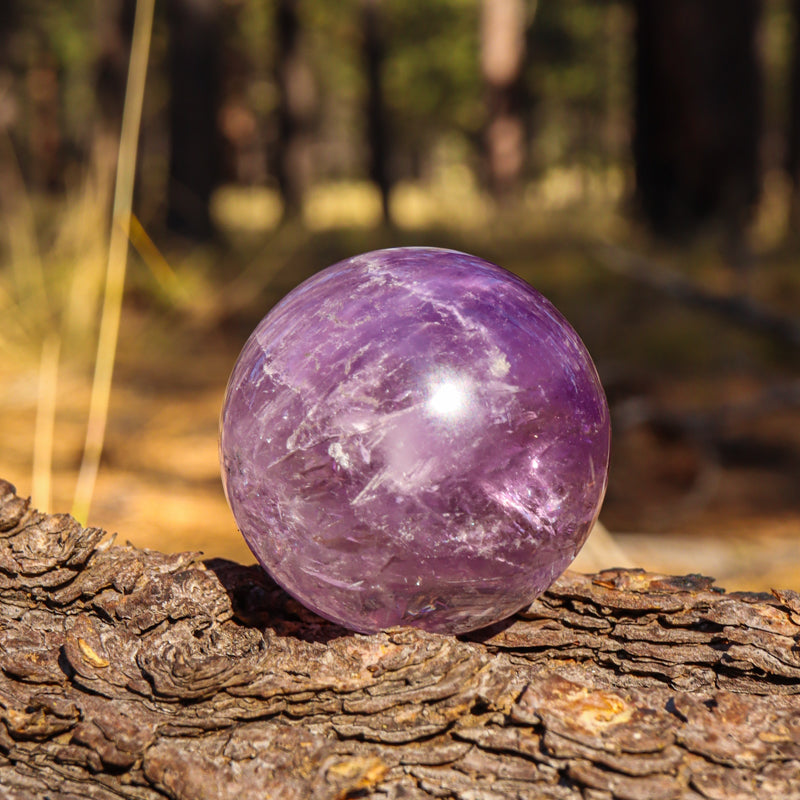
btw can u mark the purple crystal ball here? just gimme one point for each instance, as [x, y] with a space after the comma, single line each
[414, 437]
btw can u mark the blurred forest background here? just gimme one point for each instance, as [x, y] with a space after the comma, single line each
[638, 161]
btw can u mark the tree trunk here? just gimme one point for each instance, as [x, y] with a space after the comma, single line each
[698, 113]
[793, 133]
[131, 673]
[296, 104]
[502, 61]
[9, 104]
[114, 36]
[30, 104]
[115, 32]
[9, 22]
[194, 66]
[377, 132]
[45, 156]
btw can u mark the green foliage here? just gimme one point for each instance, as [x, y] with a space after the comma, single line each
[61, 37]
[578, 80]
[579, 77]
[432, 74]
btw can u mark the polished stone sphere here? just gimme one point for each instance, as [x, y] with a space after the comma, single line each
[414, 437]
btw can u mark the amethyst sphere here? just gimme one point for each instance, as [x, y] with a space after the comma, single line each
[414, 437]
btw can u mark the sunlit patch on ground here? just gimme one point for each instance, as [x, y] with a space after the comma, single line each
[159, 485]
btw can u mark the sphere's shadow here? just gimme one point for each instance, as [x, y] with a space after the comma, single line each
[259, 602]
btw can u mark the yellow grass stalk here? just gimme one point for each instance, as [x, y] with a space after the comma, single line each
[41, 490]
[117, 261]
[153, 257]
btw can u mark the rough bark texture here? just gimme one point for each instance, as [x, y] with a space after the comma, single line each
[130, 673]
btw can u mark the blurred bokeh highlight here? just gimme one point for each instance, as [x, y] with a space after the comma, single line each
[638, 162]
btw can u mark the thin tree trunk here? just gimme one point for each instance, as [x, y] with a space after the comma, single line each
[30, 103]
[296, 105]
[45, 156]
[793, 133]
[502, 61]
[9, 101]
[114, 36]
[377, 131]
[115, 31]
[698, 113]
[128, 673]
[9, 21]
[194, 65]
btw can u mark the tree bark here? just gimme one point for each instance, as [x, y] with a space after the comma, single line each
[115, 31]
[44, 165]
[9, 103]
[114, 38]
[374, 47]
[296, 105]
[502, 61]
[194, 67]
[131, 673]
[698, 113]
[9, 23]
[793, 133]
[31, 124]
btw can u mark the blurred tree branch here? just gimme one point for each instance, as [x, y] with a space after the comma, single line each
[738, 309]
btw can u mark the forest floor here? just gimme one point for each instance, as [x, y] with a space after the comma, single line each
[705, 472]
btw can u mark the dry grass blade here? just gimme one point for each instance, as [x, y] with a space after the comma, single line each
[153, 258]
[117, 260]
[45, 422]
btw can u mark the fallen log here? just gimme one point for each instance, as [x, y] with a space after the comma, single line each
[128, 673]
[738, 309]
